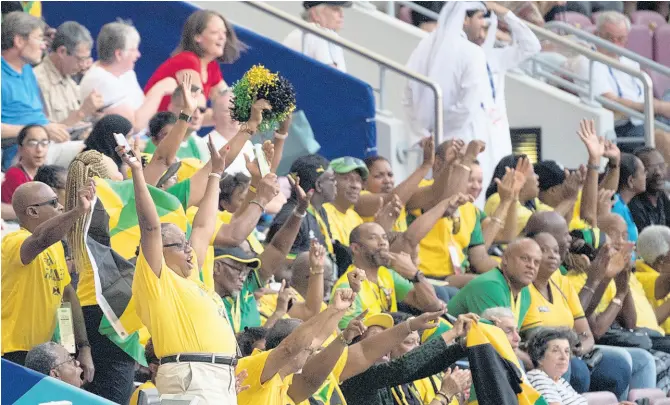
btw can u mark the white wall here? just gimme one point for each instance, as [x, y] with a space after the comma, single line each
[530, 103]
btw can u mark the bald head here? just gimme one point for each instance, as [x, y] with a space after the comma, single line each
[521, 262]
[615, 228]
[29, 205]
[553, 224]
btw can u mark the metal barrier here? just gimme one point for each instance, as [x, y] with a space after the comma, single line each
[383, 62]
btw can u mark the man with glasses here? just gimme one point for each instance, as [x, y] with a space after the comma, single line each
[22, 46]
[651, 207]
[54, 360]
[70, 52]
[35, 279]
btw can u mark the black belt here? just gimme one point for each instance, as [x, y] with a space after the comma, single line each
[200, 358]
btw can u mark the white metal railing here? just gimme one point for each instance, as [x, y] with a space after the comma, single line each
[382, 62]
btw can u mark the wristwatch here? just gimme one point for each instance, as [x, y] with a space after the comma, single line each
[417, 277]
[184, 117]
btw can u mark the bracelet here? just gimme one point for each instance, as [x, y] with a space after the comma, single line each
[497, 220]
[83, 344]
[416, 278]
[593, 167]
[295, 212]
[446, 399]
[257, 203]
[212, 174]
[344, 341]
[252, 189]
[317, 272]
[281, 136]
[587, 288]
[464, 167]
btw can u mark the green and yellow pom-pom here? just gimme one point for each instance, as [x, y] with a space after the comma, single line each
[259, 83]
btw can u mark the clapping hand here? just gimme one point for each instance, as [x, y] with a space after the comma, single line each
[303, 198]
[428, 145]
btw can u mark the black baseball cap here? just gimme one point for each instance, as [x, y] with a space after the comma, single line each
[237, 254]
[549, 174]
[309, 4]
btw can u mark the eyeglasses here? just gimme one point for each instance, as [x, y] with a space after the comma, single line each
[181, 245]
[70, 359]
[53, 202]
[33, 143]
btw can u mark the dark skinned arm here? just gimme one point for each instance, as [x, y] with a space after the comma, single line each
[48, 233]
[315, 289]
[80, 335]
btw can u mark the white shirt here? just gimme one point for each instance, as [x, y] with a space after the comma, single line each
[317, 48]
[239, 165]
[560, 391]
[115, 90]
[608, 80]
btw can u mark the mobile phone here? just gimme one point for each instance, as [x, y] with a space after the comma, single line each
[263, 165]
[122, 141]
[275, 286]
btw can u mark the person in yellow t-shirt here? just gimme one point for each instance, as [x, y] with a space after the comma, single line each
[380, 185]
[350, 173]
[153, 363]
[653, 270]
[563, 192]
[35, 277]
[187, 321]
[390, 278]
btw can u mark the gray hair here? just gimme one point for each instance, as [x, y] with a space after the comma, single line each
[115, 36]
[653, 242]
[42, 358]
[18, 23]
[306, 14]
[540, 337]
[70, 34]
[614, 17]
[498, 312]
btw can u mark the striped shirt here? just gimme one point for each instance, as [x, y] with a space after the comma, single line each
[560, 391]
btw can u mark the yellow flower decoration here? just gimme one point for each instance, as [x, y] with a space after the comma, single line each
[259, 75]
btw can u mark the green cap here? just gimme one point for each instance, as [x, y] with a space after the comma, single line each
[348, 164]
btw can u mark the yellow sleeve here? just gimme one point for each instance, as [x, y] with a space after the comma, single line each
[254, 366]
[492, 204]
[572, 296]
[145, 279]
[11, 248]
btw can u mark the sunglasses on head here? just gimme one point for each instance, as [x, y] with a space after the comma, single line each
[53, 202]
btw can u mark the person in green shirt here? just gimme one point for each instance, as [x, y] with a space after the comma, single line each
[506, 286]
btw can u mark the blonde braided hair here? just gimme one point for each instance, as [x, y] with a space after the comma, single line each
[84, 167]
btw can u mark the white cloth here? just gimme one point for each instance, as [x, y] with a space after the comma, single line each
[447, 57]
[607, 80]
[560, 392]
[317, 48]
[115, 91]
[212, 383]
[500, 60]
[239, 165]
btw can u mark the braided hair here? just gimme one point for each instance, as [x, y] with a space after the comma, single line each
[84, 167]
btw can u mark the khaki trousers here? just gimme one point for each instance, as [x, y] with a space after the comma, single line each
[213, 383]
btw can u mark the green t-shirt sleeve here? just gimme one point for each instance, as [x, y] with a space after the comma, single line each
[481, 215]
[477, 300]
[401, 285]
[182, 191]
[477, 236]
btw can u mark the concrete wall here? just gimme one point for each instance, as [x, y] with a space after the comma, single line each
[530, 103]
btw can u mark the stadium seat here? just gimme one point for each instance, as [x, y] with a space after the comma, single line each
[647, 18]
[640, 41]
[661, 47]
[651, 393]
[601, 398]
[573, 18]
[661, 83]
[405, 14]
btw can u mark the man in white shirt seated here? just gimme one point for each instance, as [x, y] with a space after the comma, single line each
[618, 86]
[328, 16]
[113, 76]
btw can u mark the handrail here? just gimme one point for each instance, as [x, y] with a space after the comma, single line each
[385, 63]
[599, 57]
[587, 36]
[390, 9]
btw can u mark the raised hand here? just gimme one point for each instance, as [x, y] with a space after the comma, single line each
[252, 167]
[612, 152]
[427, 320]
[605, 202]
[355, 327]
[85, 197]
[317, 256]
[594, 145]
[342, 299]
[506, 185]
[573, 183]
[621, 282]
[268, 188]
[428, 145]
[303, 198]
[454, 151]
[218, 161]
[474, 148]
[257, 109]
[129, 157]
[454, 382]
[456, 201]
[463, 323]
[284, 297]
[356, 278]
[523, 166]
[285, 125]
[269, 151]
[389, 212]
[188, 101]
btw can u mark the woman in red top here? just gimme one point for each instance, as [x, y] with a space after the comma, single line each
[206, 40]
[33, 142]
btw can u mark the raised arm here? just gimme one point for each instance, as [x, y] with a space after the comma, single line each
[152, 100]
[279, 141]
[199, 179]
[166, 151]
[55, 229]
[497, 227]
[611, 179]
[524, 42]
[149, 222]
[596, 149]
[203, 225]
[368, 204]
[280, 245]
[315, 290]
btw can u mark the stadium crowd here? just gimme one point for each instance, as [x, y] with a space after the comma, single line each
[496, 280]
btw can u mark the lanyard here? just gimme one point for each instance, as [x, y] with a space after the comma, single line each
[235, 312]
[618, 88]
[515, 304]
[322, 226]
[493, 86]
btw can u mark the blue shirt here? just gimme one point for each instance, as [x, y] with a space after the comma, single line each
[21, 100]
[620, 208]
